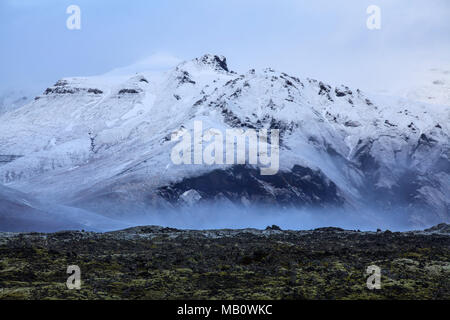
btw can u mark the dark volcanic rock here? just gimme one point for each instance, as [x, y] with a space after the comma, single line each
[128, 91]
[298, 187]
[163, 263]
[63, 87]
[218, 62]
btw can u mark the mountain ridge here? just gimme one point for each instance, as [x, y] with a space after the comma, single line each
[93, 140]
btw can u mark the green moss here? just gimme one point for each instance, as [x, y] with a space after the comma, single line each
[285, 266]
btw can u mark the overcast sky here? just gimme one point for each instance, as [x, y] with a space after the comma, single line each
[326, 40]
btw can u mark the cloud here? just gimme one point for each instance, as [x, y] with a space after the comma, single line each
[323, 39]
[156, 62]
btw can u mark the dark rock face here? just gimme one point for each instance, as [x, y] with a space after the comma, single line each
[128, 91]
[95, 91]
[298, 187]
[353, 124]
[62, 87]
[4, 159]
[324, 88]
[273, 228]
[185, 77]
[220, 63]
[61, 90]
[343, 91]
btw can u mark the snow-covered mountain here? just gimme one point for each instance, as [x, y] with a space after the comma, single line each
[20, 212]
[11, 100]
[433, 87]
[103, 143]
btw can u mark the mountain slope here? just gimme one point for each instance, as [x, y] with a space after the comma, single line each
[21, 213]
[103, 143]
[11, 100]
[434, 87]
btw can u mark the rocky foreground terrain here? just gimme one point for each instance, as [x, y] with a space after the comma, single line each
[163, 263]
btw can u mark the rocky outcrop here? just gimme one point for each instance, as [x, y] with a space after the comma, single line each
[153, 262]
[243, 184]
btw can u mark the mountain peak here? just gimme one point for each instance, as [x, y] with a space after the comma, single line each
[218, 62]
